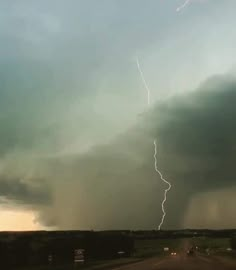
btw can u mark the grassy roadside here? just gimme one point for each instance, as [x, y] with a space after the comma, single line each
[94, 265]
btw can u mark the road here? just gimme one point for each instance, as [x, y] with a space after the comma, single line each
[182, 262]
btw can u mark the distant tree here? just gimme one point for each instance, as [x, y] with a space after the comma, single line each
[233, 242]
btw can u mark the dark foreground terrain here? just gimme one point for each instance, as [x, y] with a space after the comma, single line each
[124, 250]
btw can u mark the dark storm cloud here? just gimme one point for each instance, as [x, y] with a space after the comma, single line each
[23, 193]
[113, 182]
[196, 152]
[199, 130]
[196, 134]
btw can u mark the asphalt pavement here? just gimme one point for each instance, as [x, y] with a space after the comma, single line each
[183, 262]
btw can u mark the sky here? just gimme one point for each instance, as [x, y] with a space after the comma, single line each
[76, 133]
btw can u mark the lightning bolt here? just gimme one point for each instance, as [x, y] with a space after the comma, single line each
[165, 181]
[155, 152]
[183, 5]
[144, 81]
